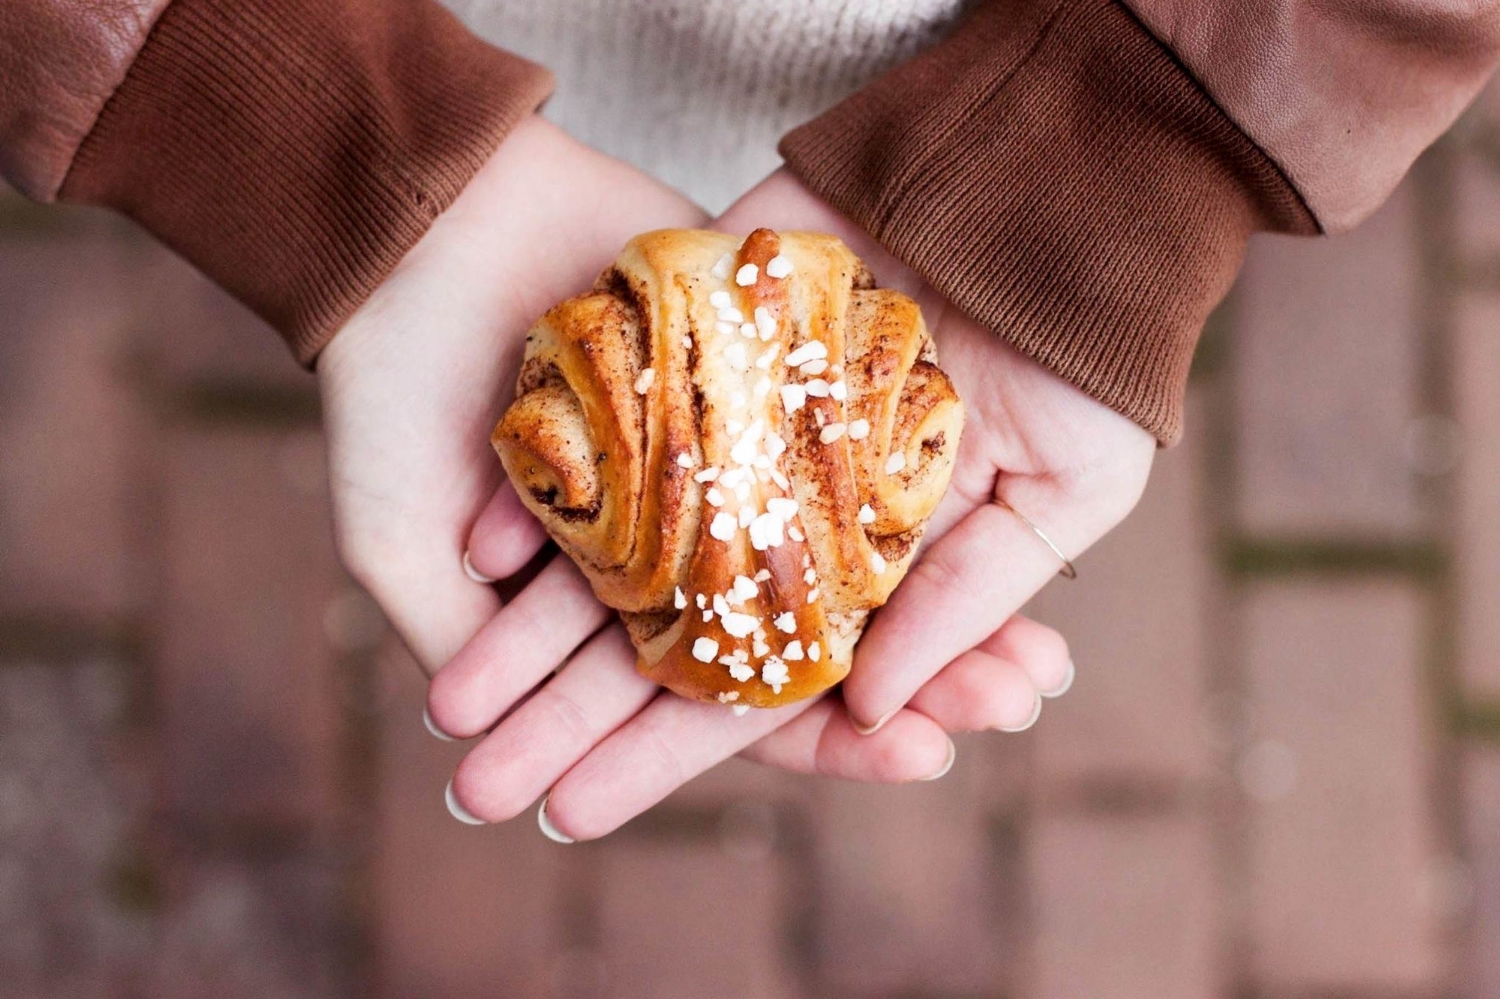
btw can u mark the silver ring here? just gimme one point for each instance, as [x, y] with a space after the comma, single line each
[1068, 570]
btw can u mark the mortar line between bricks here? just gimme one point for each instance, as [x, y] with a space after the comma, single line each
[237, 403]
[58, 639]
[702, 824]
[1250, 557]
[1470, 721]
[154, 838]
[1485, 144]
[1351, 993]
[1005, 837]
[230, 400]
[576, 909]
[1013, 827]
[914, 994]
[1477, 720]
[234, 835]
[1123, 795]
[1479, 275]
[1224, 646]
[22, 219]
[357, 673]
[1440, 277]
[1211, 358]
[673, 824]
[799, 923]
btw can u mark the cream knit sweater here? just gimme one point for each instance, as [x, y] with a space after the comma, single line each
[697, 92]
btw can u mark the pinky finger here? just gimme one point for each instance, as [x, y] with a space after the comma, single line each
[910, 747]
[504, 538]
[979, 691]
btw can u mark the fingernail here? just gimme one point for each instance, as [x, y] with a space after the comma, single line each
[458, 811]
[548, 829]
[1066, 685]
[879, 723]
[947, 764]
[1036, 712]
[437, 733]
[474, 573]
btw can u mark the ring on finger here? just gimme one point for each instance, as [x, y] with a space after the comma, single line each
[1068, 570]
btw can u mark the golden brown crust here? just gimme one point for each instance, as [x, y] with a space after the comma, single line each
[710, 491]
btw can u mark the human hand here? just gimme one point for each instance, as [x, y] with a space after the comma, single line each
[417, 377]
[618, 745]
[1070, 464]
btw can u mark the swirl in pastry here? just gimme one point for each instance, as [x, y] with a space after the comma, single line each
[739, 442]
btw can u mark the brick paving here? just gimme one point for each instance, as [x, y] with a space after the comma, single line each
[459, 912]
[1478, 972]
[943, 915]
[1337, 724]
[1124, 905]
[1277, 777]
[246, 700]
[1477, 490]
[73, 797]
[1326, 345]
[71, 426]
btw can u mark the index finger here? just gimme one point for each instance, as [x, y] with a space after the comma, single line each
[959, 592]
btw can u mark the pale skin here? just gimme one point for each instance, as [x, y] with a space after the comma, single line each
[416, 379]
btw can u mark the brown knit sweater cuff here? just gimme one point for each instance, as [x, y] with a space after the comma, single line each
[294, 150]
[1058, 175]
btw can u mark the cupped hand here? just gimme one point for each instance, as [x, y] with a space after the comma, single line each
[1032, 441]
[609, 744]
[415, 380]
[411, 387]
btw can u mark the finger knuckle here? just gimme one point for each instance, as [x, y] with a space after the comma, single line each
[526, 617]
[941, 571]
[566, 719]
[1037, 642]
[974, 681]
[485, 793]
[673, 771]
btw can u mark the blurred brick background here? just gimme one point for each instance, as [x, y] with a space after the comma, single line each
[1278, 775]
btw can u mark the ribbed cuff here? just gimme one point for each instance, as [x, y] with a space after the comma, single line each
[1058, 176]
[294, 150]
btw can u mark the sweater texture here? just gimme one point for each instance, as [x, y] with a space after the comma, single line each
[698, 92]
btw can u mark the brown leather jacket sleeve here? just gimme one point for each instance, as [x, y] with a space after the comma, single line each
[1342, 94]
[293, 150]
[1081, 176]
[60, 60]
